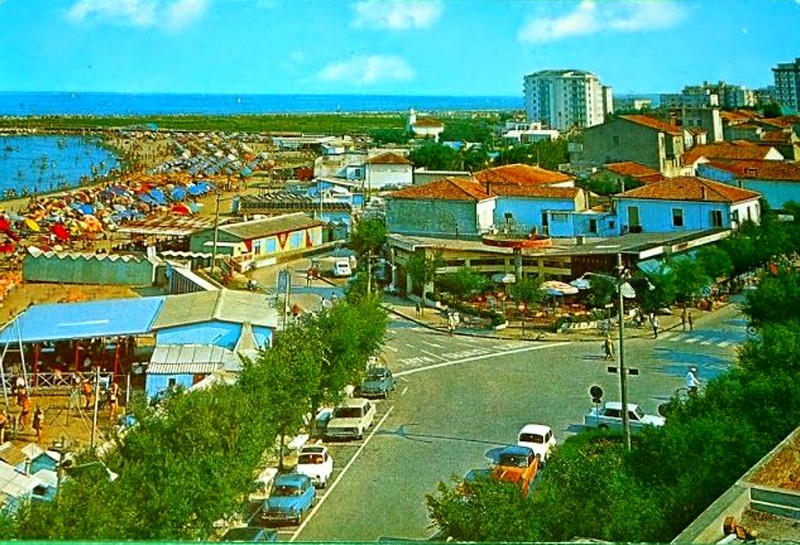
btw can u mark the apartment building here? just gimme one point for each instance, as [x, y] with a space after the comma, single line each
[566, 99]
[787, 83]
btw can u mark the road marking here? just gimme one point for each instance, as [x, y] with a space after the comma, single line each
[404, 391]
[434, 345]
[476, 358]
[667, 337]
[409, 345]
[466, 353]
[414, 361]
[691, 340]
[392, 348]
[433, 354]
[339, 478]
[711, 340]
[724, 344]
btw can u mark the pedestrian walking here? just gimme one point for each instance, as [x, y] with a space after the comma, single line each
[38, 423]
[656, 325]
[20, 388]
[684, 318]
[418, 309]
[690, 320]
[608, 347]
[4, 426]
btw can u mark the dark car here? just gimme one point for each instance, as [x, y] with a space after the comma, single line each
[378, 382]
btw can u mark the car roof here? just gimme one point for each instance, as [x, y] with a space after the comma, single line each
[291, 479]
[618, 405]
[313, 449]
[354, 402]
[540, 429]
[517, 450]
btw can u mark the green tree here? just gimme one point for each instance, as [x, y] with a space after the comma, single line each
[463, 283]
[602, 290]
[528, 290]
[716, 262]
[422, 268]
[689, 278]
[434, 156]
[776, 300]
[368, 237]
[655, 290]
[475, 158]
[605, 183]
[547, 154]
[288, 376]
[390, 136]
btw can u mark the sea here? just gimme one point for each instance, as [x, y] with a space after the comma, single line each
[144, 104]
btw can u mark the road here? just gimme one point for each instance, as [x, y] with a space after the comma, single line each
[458, 398]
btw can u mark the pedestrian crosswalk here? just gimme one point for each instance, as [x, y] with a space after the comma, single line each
[702, 339]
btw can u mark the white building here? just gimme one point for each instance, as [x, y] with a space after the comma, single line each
[787, 83]
[565, 99]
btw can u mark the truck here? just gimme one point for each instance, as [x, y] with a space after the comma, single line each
[517, 464]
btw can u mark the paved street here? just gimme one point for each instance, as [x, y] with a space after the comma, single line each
[460, 397]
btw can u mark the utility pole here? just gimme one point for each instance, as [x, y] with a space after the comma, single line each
[623, 373]
[369, 272]
[96, 404]
[216, 235]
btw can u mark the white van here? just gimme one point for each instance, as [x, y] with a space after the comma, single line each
[341, 268]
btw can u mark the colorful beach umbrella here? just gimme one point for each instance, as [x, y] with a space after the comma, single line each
[60, 231]
[32, 225]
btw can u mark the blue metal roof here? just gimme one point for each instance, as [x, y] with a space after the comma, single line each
[87, 319]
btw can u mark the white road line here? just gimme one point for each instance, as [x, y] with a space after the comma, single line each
[433, 354]
[667, 337]
[408, 345]
[691, 340]
[711, 340]
[404, 391]
[339, 478]
[392, 348]
[476, 358]
[434, 345]
[724, 344]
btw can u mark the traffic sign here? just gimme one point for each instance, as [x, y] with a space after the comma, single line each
[630, 370]
[283, 280]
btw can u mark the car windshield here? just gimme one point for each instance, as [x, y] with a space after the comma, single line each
[310, 459]
[531, 438]
[347, 412]
[286, 490]
[377, 374]
[513, 460]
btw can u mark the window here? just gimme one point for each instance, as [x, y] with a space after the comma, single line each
[615, 140]
[677, 217]
[592, 226]
[716, 218]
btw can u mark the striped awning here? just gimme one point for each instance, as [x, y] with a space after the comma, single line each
[179, 359]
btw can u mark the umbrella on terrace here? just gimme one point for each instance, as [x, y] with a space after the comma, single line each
[557, 289]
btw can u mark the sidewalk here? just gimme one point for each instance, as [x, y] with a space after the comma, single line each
[435, 319]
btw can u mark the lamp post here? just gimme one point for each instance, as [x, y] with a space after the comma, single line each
[623, 376]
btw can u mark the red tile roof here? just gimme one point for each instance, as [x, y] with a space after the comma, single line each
[690, 188]
[534, 191]
[639, 171]
[776, 137]
[760, 170]
[389, 158]
[653, 123]
[445, 189]
[427, 122]
[521, 174]
[725, 150]
[738, 116]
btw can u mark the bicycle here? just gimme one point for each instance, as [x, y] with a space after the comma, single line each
[685, 394]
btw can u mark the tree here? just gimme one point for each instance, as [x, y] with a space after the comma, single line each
[689, 278]
[528, 290]
[716, 262]
[368, 237]
[434, 156]
[547, 154]
[656, 290]
[288, 376]
[602, 290]
[422, 269]
[390, 136]
[475, 158]
[463, 283]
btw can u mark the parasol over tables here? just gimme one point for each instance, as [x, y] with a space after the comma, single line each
[31, 224]
[504, 278]
[557, 289]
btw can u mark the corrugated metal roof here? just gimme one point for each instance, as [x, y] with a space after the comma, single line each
[169, 225]
[83, 320]
[249, 230]
[14, 484]
[191, 358]
[182, 368]
[223, 305]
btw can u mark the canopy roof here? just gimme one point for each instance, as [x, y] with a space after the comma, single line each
[87, 319]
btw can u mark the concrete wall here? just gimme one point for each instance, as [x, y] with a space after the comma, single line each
[379, 176]
[77, 268]
[527, 212]
[657, 216]
[435, 217]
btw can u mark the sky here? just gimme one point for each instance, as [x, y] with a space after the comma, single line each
[394, 47]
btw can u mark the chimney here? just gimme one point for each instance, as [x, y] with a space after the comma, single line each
[703, 192]
[488, 192]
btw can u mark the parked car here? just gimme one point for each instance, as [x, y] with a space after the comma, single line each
[609, 415]
[537, 437]
[351, 419]
[341, 268]
[292, 496]
[518, 465]
[250, 534]
[378, 382]
[316, 462]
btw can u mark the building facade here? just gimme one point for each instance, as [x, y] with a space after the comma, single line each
[566, 99]
[787, 83]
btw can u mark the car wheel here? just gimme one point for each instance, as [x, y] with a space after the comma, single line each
[323, 483]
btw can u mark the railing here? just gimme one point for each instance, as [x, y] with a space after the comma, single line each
[54, 382]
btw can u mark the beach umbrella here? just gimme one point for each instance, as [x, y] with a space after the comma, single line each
[581, 283]
[194, 190]
[7, 248]
[556, 288]
[178, 193]
[60, 231]
[92, 223]
[181, 209]
[32, 225]
[504, 278]
[4, 225]
[86, 208]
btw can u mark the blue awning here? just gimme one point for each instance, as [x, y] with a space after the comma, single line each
[653, 265]
[84, 320]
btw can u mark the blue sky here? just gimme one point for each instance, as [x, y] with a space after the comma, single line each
[400, 47]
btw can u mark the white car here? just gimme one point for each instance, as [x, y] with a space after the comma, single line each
[315, 461]
[537, 437]
[341, 268]
[610, 416]
[351, 419]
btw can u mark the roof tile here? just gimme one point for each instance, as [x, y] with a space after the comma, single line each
[521, 174]
[641, 172]
[725, 150]
[761, 170]
[445, 189]
[690, 188]
[389, 158]
[653, 123]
